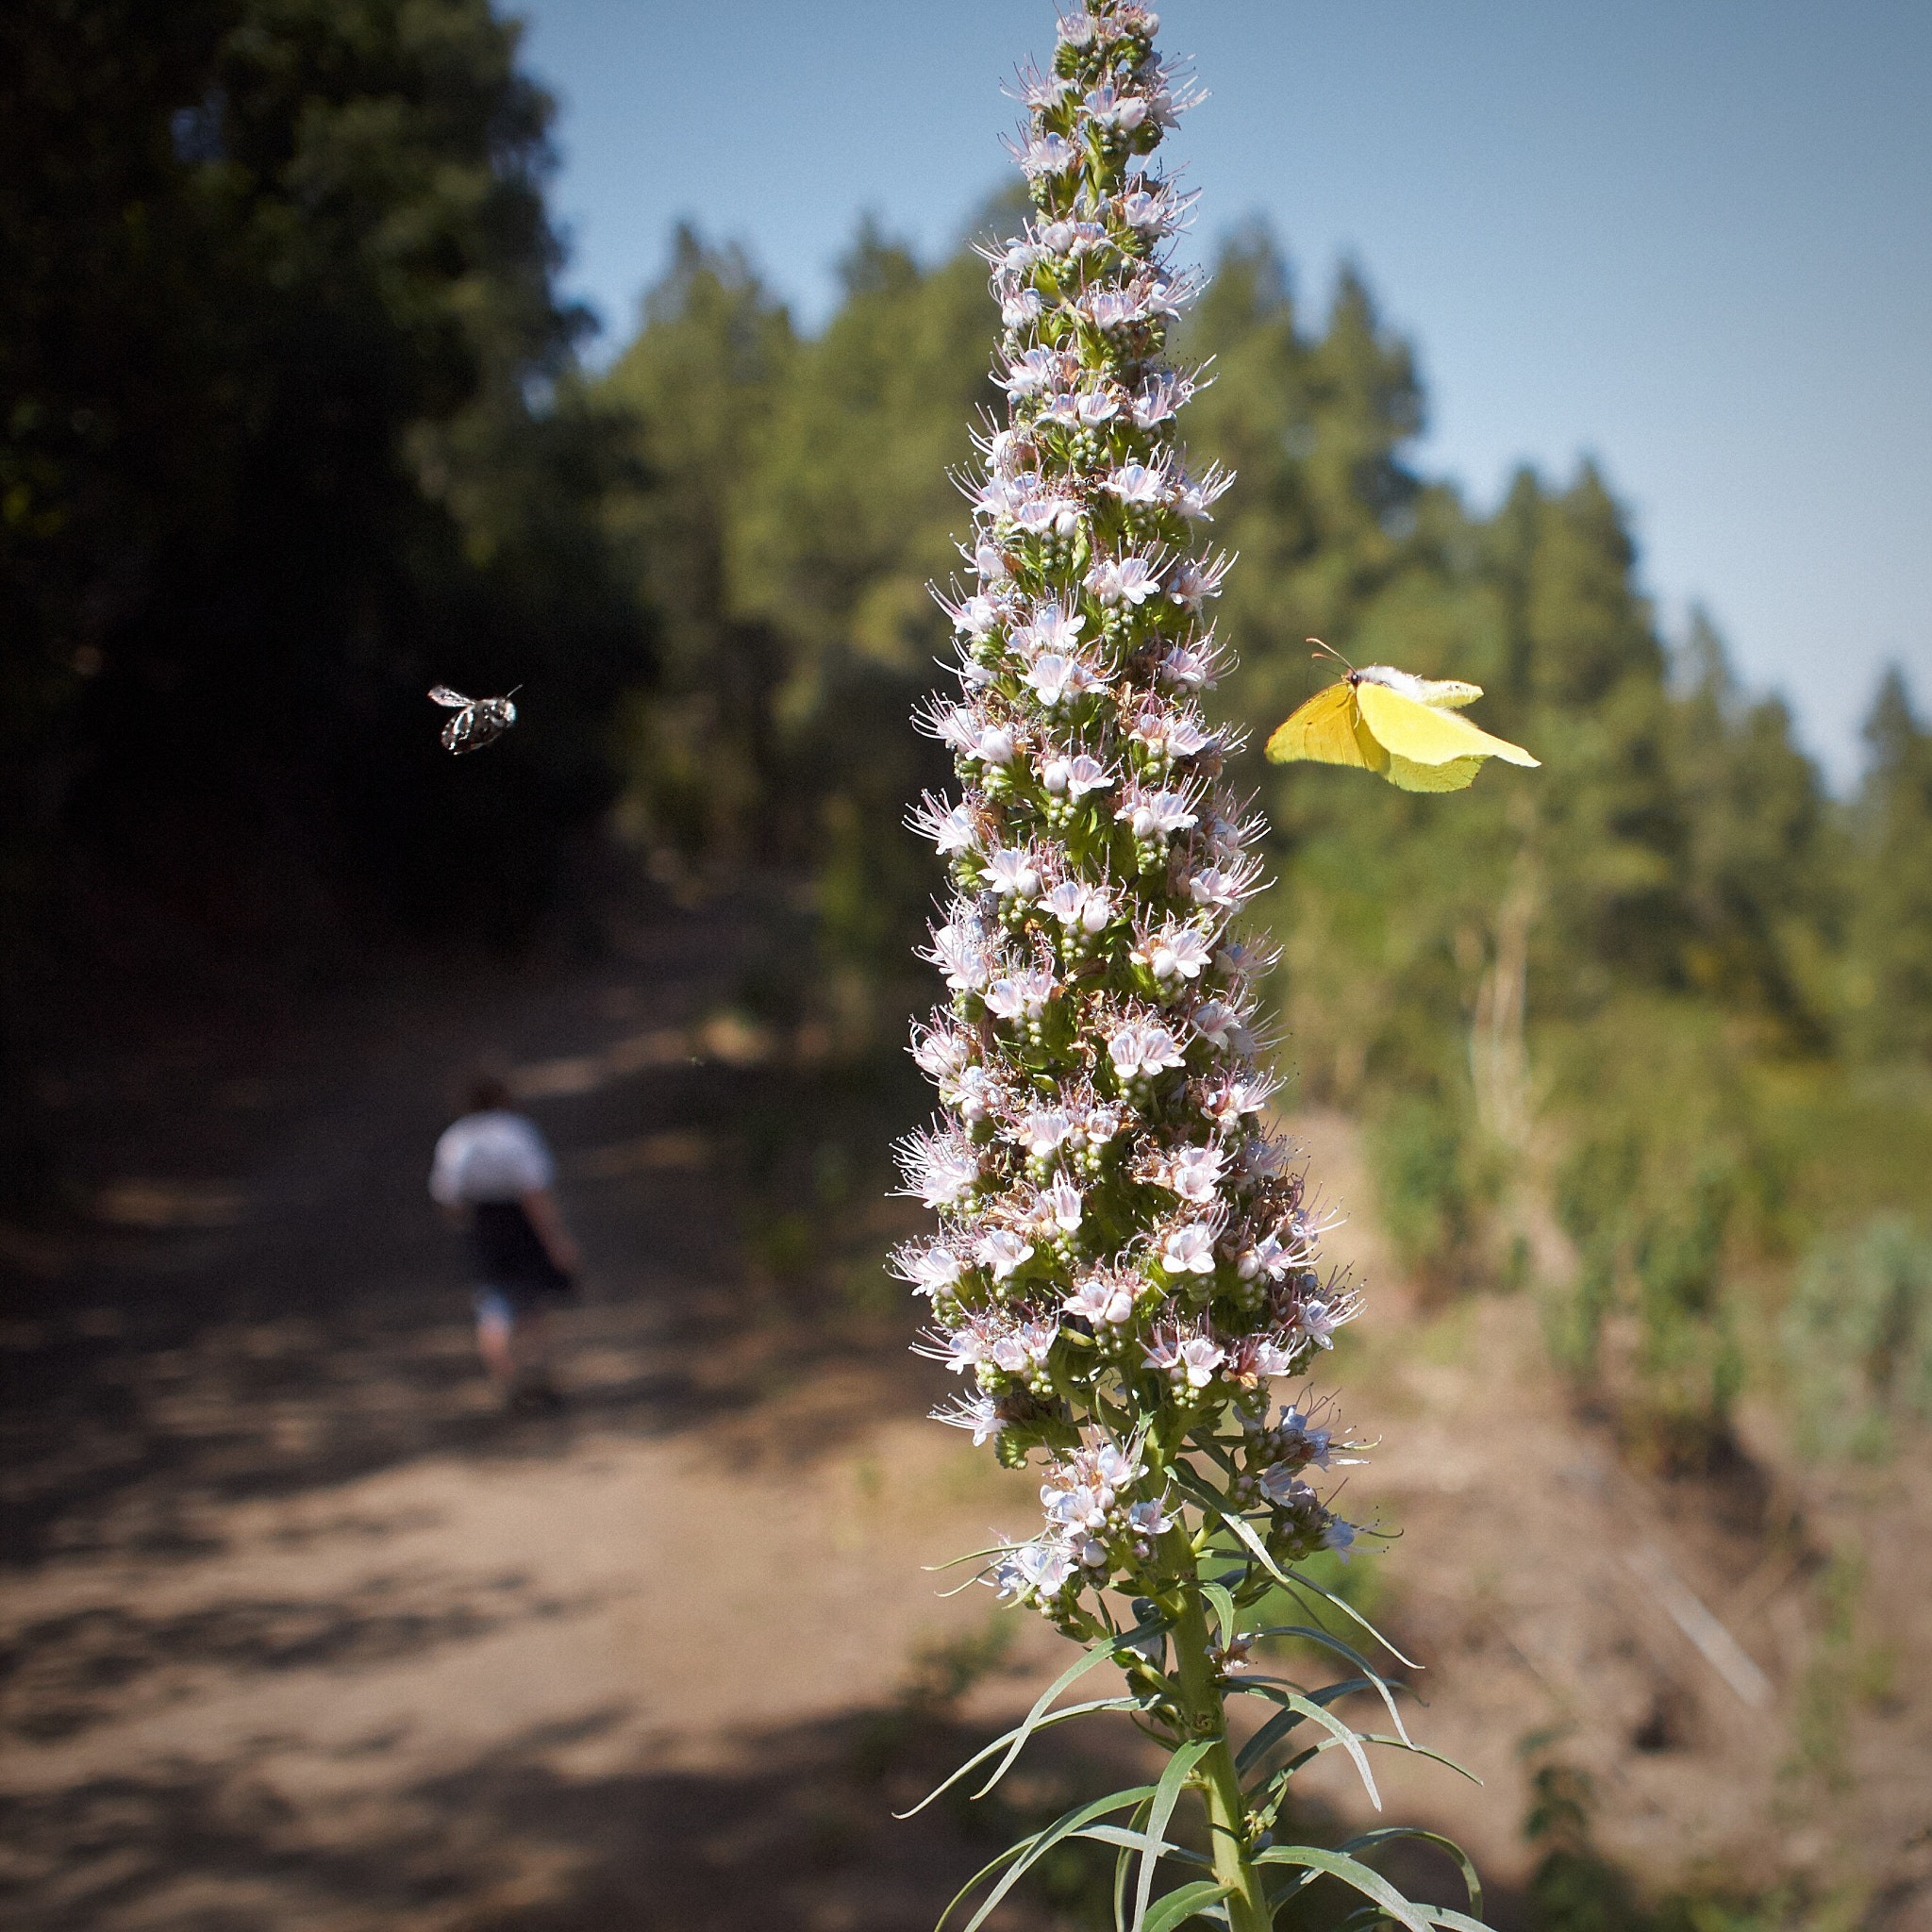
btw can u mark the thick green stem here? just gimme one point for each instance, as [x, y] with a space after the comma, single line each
[1247, 1904]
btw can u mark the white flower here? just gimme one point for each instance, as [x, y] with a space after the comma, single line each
[1192, 583]
[1123, 580]
[1011, 872]
[1186, 670]
[930, 1271]
[979, 1413]
[1142, 1053]
[1042, 1132]
[950, 828]
[1101, 1298]
[1319, 1322]
[1056, 678]
[1002, 1251]
[1136, 483]
[941, 1169]
[1266, 1256]
[958, 950]
[1047, 154]
[1156, 814]
[1149, 1520]
[1113, 110]
[1145, 211]
[1158, 399]
[1063, 1201]
[1031, 372]
[1054, 629]
[1178, 952]
[1215, 887]
[1221, 1026]
[1094, 408]
[1197, 496]
[994, 745]
[1076, 904]
[1189, 1250]
[1195, 1172]
[1003, 1001]
[1199, 1357]
[1021, 308]
[965, 1349]
[1041, 1567]
[1074, 777]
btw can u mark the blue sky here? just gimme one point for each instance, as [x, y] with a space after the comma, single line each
[1693, 241]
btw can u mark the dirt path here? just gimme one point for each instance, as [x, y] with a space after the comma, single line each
[300, 1633]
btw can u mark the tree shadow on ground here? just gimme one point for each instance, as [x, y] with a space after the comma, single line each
[797, 1831]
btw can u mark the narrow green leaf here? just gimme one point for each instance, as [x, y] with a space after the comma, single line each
[1342, 1734]
[1464, 1864]
[1217, 1507]
[1121, 1868]
[1099, 1652]
[1348, 1610]
[1283, 1722]
[1190, 1902]
[1167, 1795]
[1328, 1640]
[1058, 1717]
[1131, 1840]
[1270, 1793]
[1371, 1884]
[1030, 1850]
[1223, 1601]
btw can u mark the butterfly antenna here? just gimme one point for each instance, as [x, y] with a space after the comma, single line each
[1327, 650]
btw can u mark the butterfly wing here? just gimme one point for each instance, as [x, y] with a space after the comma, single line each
[1456, 775]
[1327, 730]
[442, 694]
[1426, 734]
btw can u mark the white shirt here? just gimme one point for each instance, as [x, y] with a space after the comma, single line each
[490, 1156]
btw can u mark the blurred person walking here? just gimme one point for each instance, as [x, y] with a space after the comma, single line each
[494, 1176]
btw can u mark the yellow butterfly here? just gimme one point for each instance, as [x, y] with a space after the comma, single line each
[1403, 727]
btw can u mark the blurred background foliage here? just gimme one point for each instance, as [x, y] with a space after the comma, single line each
[1641, 1030]
[293, 426]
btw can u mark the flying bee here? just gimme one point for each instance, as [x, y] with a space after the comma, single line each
[477, 722]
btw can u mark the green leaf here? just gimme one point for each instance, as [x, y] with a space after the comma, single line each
[1101, 1651]
[1130, 1838]
[1223, 1601]
[1190, 1902]
[1328, 1640]
[1167, 1795]
[1297, 1580]
[1283, 1722]
[1371, 1884]
[1019, 1858]
[1342, 1734]
[1121, 1867]
[1279, 1782]
[1217, 1506]
[1058, 1717]
[1464, 1864]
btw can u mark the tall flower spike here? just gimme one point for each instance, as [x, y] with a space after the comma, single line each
[1127, 1260]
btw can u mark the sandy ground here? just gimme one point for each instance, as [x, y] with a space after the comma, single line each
[300, 1632]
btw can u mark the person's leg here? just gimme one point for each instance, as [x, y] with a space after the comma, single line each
[496, 1336]
[529, 1341]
